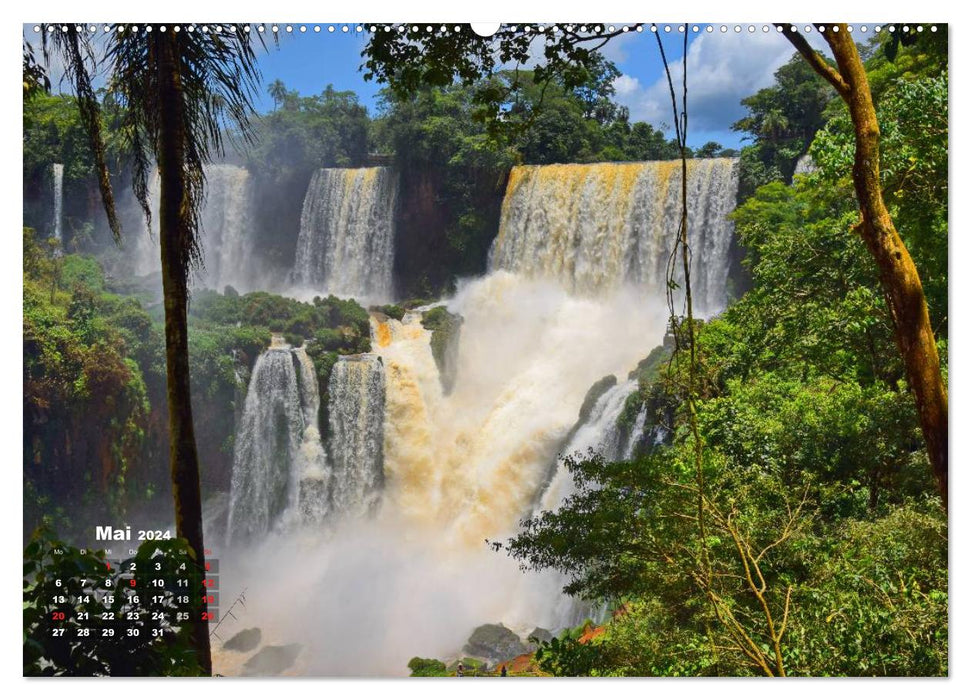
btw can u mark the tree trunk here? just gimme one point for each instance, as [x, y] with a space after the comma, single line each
[173, 218]
[898, 275]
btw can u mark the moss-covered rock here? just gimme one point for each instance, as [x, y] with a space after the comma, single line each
[649, 368]
[494, 643]
[599, 388]
[390, 310]
[446, 328]
[653, 398]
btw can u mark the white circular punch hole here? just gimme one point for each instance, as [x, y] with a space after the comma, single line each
[485, 28]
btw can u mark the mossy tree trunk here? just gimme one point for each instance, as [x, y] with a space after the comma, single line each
[898, 275]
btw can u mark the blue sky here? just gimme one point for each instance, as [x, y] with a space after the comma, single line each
[723, 67]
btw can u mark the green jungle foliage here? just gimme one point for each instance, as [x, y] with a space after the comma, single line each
[813, 541]
[425, 668]
[95, 411]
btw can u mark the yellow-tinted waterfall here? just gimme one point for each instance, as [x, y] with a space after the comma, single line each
[594, 227]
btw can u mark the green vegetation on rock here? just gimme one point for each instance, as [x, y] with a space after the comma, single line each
[427, 667]
[94, 384]
[446, 328]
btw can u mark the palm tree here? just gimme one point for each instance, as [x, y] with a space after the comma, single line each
[178, 90]
[774, 125]
[278, 91]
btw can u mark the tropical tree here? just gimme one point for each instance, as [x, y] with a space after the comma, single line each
[898, 274]
[177, 88]
[278, 91]
[782, 119]
[710, 150]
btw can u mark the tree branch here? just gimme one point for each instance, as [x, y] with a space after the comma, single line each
[815, 59]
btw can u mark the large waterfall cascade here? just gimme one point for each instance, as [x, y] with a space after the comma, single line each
[281, 471]
[227, 232]
[57, 169]
[599, 432]
[267, 442]
[346, 241]
[575, 292]
[474, 460]
[595, 227]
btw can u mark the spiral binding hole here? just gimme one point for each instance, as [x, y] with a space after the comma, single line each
[445, 29]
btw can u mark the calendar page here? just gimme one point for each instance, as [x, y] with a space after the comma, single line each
[485, 350]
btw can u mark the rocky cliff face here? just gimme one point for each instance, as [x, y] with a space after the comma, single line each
[432, 244]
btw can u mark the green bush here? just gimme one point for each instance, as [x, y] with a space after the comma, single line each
[427, 667]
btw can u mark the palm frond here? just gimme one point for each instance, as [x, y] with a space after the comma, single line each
[218, 77]
[74, 46]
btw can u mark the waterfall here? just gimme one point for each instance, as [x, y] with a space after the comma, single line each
[636, 433]
[575, 292]
[346, 241]
[58, 172]
[312, 469]
[227, 242]
[278, 457]
[226, 230]
[474, 461]
[599, 433]
[594, 227]
[357, 433]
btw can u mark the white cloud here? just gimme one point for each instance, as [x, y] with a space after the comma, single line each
[625, 87]
[722, 69]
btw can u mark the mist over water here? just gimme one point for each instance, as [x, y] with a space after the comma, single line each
[378, 551]
[418, 577]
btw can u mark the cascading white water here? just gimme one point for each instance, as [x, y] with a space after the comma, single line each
[278, 446]
[313, 472]
[635, 433]
[599, 433]
[227, 242]
[58, 172]
[346, 241]
[227, 235]
[595, 227]
[356, 410]
[465, 466]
